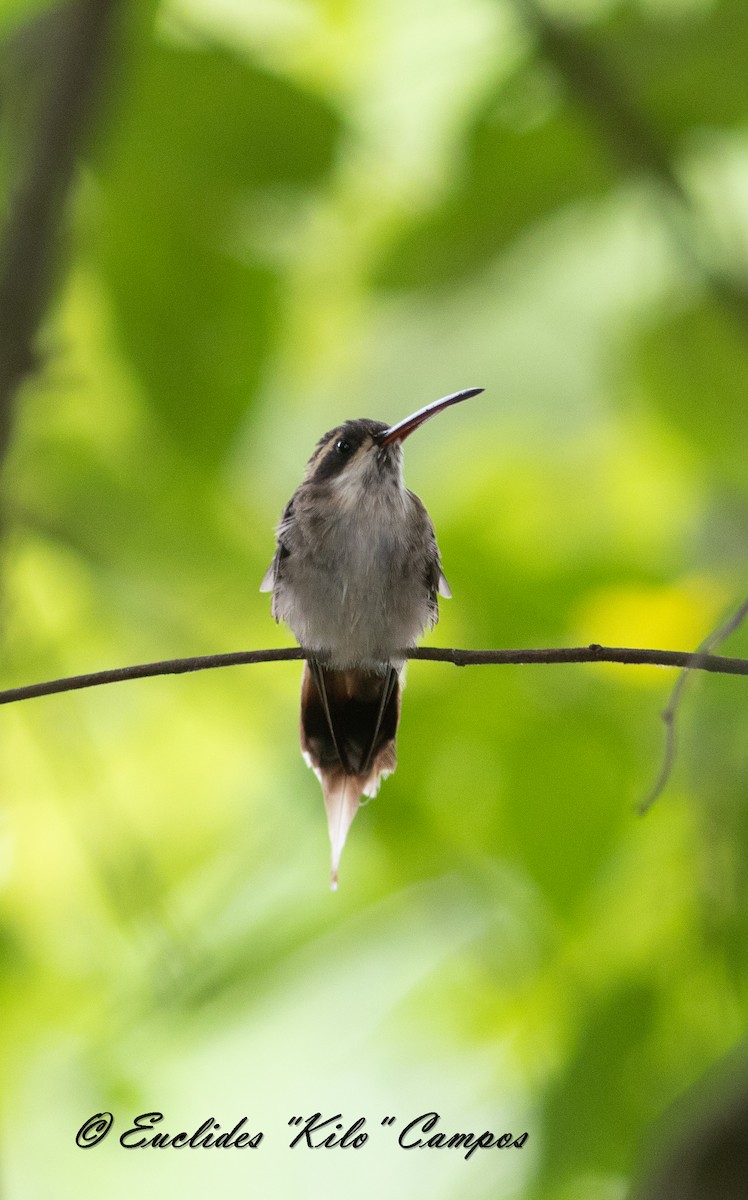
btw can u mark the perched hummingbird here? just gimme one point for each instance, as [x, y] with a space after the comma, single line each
[355, 576]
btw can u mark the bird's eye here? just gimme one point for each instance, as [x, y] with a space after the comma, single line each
[343, 446]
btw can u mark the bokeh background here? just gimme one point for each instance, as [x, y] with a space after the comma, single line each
[286, 214]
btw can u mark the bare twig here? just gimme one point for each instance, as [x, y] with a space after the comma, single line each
[459, 658]
[670, 713]
[72, 40]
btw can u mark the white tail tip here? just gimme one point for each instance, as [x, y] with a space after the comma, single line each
[342, 804]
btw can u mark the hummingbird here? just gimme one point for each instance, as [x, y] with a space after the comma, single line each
[356, 576]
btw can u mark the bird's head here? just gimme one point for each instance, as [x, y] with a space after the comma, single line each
[357, 455]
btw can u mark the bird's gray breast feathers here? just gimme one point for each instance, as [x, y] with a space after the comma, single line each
[357, 581]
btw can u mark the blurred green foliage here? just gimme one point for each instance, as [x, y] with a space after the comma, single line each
[293, 214]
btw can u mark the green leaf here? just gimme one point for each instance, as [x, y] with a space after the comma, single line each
[601, 1090]
[17, 12]
[694, 368]
[513, 178]
[202, 131]
[686, 69]
[666, 76]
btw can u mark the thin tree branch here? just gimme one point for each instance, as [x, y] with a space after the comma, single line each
[595, 653]
[73, 41]
[670, 713]
[582, 654]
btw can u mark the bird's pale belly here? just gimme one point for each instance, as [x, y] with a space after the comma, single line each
[359, 609]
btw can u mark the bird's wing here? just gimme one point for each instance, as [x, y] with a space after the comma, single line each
[273, 573]
[268, 579]
[435, 579]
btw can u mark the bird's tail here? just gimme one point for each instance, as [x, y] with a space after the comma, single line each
[348, 730]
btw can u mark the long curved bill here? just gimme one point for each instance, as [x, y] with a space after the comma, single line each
[403, 429]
